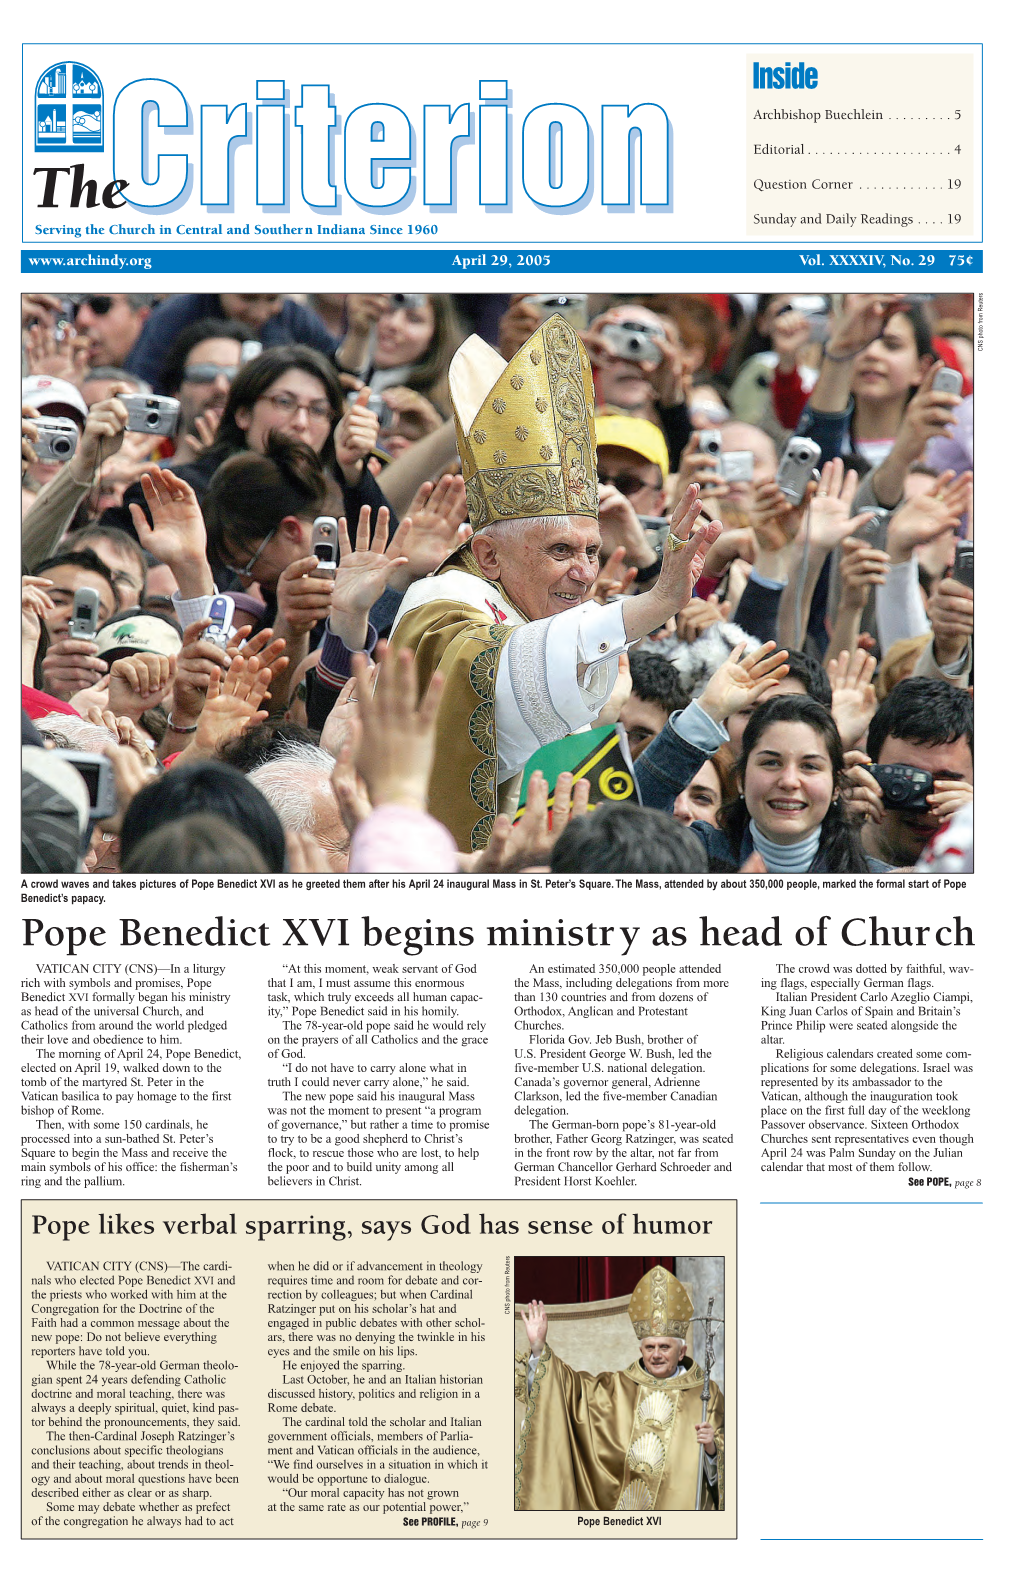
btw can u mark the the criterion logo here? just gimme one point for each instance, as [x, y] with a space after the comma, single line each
[69, 109]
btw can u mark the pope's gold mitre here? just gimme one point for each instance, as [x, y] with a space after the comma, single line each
[660, 1306]
[526, 429]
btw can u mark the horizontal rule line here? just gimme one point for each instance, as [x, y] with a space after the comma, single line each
[470, 262]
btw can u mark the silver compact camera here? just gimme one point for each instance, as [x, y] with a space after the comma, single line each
[632, 342]
[873, 530]
[737, 466]
[710, 442]
[412, 302]
[154, 413]
[57, 437]
[800, 458]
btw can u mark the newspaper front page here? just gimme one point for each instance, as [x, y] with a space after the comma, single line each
[599, 1155]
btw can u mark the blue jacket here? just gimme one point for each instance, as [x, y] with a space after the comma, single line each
[667, 765]
[293, 324]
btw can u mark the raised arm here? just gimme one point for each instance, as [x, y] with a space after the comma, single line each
[536, 1325]
[683, 561]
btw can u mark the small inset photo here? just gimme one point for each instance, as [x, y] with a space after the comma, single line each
[619, 1383]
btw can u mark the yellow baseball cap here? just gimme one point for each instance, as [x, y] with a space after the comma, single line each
[616, 430]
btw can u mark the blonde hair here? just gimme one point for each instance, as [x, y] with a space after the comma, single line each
[899, 663]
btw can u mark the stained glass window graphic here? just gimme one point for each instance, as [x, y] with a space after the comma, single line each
[69, 109]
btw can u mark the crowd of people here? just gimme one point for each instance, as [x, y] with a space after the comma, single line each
[330, 583]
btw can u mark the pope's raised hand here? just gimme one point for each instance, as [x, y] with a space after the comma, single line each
[683, 554]
[536, 1324]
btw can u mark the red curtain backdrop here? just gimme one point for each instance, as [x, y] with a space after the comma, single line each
[580, 1280]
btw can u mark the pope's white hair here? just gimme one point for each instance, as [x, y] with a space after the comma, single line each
[69, 732]
[290, 781]
[513, 530]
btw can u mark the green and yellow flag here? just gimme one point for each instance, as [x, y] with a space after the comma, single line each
[601, 755]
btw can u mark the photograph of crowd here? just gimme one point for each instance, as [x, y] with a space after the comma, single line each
[479, 584]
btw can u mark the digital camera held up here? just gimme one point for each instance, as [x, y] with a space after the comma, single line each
[57, 437]
[904, 787]
[153, 413]
[797, 466]
[325, 546]
[97, 772]
[632, 342]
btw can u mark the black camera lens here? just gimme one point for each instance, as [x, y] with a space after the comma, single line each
[62, 448]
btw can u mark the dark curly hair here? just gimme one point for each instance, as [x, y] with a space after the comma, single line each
[655, 679]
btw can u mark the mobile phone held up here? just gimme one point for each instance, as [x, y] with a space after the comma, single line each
[325, 546]
[97, 774]
[947, 381]
[85, 615]
[963, 564]
[221, 611]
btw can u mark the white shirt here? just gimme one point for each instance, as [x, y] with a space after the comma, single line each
[539, 696]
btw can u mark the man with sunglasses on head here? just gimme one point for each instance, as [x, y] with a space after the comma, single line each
[111, 324]
[272, 319]
[199, 369]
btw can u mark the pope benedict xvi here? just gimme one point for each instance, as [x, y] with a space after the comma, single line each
[627, 1440]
